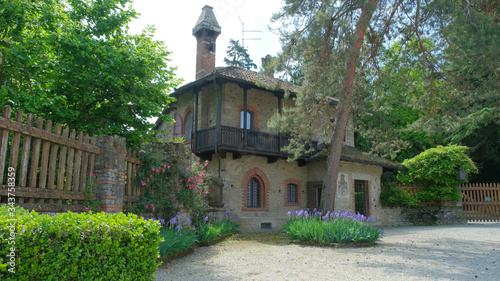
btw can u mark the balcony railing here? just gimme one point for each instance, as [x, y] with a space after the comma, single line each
[233, 138]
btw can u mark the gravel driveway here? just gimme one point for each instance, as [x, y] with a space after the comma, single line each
[467, 252]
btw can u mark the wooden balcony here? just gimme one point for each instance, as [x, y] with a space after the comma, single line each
[233, 139]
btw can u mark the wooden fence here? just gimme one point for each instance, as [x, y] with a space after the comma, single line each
[481, 202]
[52, 165]
[133, 192]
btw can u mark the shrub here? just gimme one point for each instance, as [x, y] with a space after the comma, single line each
[171, 178]
[333, 227]
[212, 230]
[177, 236]
[436, 169]
[85, 246]
[392, 195]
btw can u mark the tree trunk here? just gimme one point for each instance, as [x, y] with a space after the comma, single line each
[342, 114]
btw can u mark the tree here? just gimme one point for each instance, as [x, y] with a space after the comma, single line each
[73, 62]
[237, 55]
[429, 83]
[326, 33]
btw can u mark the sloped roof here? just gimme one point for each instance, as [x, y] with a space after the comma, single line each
[257, 78]
[352, 154]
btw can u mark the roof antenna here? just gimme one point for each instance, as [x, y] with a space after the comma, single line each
[243, 33]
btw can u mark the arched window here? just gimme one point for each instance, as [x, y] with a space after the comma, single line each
[254, 193]
[188, 126]
[255, 187]
[252, 117]
[292, 193]
[250, 121]
[178, 125]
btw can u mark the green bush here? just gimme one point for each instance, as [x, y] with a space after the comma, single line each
[177, 235]
[212, 230]
[72, 246]
[393, 196]
[335, 227]
[436, 169]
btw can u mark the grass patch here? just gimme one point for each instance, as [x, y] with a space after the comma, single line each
[335, 227]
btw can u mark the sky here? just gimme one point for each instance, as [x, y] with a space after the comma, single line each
[174, 21]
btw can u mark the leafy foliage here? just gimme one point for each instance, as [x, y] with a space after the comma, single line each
[171, 178]
[335, 227]
[394, 196]
[74, 63]
[237, 55]
[177, 235]
[437, 169]
[84, 246]
[214, 229]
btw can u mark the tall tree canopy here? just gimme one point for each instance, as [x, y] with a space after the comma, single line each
[400, 68]
[237, 55]
[74, 62]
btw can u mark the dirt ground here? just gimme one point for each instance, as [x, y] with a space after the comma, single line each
[466, 252]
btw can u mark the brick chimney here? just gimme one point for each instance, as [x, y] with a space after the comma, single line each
[206, 31]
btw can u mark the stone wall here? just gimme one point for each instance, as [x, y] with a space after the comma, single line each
[109, 172]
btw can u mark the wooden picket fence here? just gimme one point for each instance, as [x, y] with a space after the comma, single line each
[133, 192]
[481, 202]
[52, 165]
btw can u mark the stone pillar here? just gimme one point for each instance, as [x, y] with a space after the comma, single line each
[109, 172]
[451, 212]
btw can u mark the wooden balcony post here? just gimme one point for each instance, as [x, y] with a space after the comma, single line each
[245, 129]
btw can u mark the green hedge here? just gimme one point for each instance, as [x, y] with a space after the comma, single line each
[72, 246]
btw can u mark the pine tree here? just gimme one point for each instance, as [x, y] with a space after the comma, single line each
[237, 55]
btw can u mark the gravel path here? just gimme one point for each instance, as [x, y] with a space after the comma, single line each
[468, 252]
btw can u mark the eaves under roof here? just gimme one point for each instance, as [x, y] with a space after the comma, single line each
[352, 154]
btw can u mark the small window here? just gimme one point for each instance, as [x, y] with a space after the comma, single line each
[250, 122]
[291, 193]
[188, 129]
[266, 225]
[319, 193]
[253, 193]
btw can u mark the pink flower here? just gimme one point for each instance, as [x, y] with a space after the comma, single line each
[152, 192]
[86, 209]
[153, 169]
[163, 170]
[148, 179]
[168, 167]
[193, 154]
[157, 170]
[187, 168]
[150, 176]
[197, 215]
[164, 166]
[140, 151]
[151, 205]
[91, 175]
[146, 206]
[153, 208]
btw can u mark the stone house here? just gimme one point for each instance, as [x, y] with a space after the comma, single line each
[223, 115]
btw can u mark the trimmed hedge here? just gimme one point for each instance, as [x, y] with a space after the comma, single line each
[71, 246]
